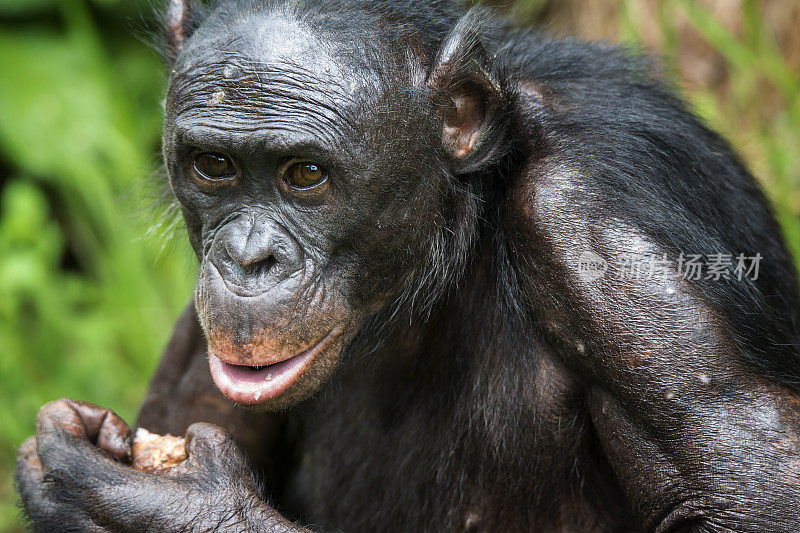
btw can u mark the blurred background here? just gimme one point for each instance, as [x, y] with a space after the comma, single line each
[93, 273]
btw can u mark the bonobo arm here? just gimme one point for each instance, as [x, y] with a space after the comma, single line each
[700, 437]
[694, 435]
[182, 392]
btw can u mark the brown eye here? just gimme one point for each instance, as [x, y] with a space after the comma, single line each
[214, 167]
[305, 174]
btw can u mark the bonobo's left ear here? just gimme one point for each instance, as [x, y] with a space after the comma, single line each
[472, 94]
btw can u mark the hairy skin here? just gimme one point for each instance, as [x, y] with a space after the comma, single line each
[428, 355]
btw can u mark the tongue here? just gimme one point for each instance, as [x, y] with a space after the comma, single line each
[255, 384]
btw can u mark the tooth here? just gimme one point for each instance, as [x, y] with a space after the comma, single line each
[268, 377]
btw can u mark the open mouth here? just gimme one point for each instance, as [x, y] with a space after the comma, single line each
[254, 384]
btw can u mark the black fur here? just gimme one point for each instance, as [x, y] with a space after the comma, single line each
[486, 385]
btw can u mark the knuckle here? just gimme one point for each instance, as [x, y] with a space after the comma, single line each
[56, 407]
[27, 459]
[209, 441]
[203, 431]
[27, 447]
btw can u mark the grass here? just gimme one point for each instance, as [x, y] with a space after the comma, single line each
[757, 72]
[86, 303]
[88, 296]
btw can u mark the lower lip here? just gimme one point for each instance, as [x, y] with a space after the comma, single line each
[252, 385]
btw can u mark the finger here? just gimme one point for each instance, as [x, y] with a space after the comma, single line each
[40, 508]
[210, 442]
[59, 418]
[87, 422]
[28, 461]
[105, 429]
[28, 480]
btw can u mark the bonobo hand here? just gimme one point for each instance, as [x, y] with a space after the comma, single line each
[73, 475]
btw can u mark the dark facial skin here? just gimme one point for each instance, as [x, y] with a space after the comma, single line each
[263, 295]
[390, 204]
[295, 193]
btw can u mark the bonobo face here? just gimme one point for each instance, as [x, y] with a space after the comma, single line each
[309, 192]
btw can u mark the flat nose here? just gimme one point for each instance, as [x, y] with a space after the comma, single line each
[255, 253]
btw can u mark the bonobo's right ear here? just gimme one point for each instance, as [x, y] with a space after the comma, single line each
[179, 26]
[472, 97]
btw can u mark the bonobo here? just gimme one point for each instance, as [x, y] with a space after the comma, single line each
[453, 276]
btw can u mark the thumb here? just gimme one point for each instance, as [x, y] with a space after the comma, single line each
[210, 443]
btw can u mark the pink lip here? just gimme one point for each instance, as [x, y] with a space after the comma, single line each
[251, 385]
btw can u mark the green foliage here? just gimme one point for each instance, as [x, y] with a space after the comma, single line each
[88, 296]
[86, 302]
[756, 70]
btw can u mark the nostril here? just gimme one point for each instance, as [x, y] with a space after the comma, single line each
[251, 268]
[261, 267]
[249, 278]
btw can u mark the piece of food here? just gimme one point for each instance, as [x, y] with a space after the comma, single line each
[153, 452]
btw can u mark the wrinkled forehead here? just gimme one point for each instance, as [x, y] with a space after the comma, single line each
[263, 68]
